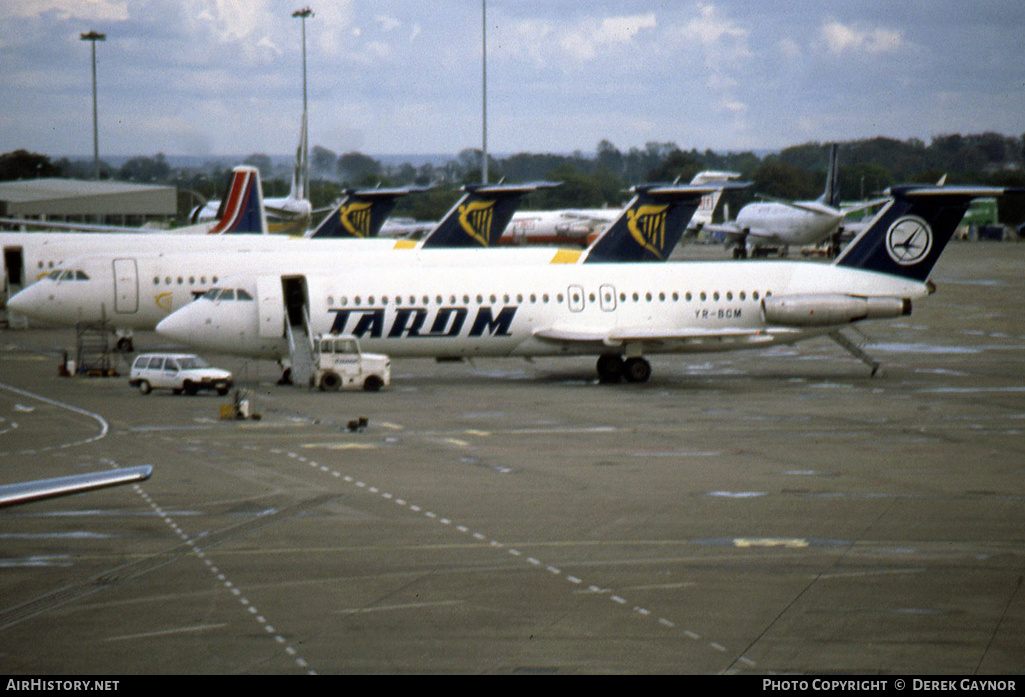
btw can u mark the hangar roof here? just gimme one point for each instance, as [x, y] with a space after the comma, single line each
[73, 197]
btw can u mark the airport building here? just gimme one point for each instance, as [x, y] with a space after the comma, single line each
[77, 201]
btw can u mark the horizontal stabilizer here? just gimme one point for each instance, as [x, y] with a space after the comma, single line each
[480, 216]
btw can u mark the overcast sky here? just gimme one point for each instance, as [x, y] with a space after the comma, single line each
[224, 77]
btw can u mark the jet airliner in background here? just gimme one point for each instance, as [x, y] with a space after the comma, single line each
[779, 225]
[618, 312]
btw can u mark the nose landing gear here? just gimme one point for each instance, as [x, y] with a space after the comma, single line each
[612, 369]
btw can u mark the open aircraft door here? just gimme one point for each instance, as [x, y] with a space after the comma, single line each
[272, 307]
[126, 287]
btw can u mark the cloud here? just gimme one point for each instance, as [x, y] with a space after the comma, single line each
[840, 38]
[709, 28]
[97, 10]
[590, 37]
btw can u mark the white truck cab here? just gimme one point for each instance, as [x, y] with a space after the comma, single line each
[341, 365]
[178, 372]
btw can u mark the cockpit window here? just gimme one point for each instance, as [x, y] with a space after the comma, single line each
[243, 295]
[227, 294]
[211, 294]
[81, 275]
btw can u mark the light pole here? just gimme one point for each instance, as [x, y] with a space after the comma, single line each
[93, 37]
[303, 14]
[484, 91]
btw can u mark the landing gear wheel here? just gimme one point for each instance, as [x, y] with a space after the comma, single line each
[636, 370]
[610, 368]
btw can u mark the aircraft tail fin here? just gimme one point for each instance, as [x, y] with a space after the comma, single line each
[362, 212]
[831, 194]
[480, 216]
[709, 202]
[908, 235]
[241, 209]
[652, 224]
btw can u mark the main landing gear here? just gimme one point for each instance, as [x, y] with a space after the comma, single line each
[612, 368]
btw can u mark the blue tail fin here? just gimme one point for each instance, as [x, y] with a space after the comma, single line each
[908, 235]
[480, 216]
[241, 209]
[652, 224]
[361, 213]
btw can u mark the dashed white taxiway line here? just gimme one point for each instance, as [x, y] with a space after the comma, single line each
[534, 562]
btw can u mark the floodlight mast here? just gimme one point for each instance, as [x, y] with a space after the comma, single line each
[93, 37]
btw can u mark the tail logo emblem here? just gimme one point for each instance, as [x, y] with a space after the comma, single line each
[475, 219]
[647, 225]
[909, 240]
[355, 218]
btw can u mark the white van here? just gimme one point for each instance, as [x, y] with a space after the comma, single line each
[178, 372]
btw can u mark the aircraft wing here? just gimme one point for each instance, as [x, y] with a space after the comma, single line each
[39, 489]
[727, 229]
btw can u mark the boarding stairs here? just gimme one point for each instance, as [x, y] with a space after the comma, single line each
[300, 350]
[94, 353]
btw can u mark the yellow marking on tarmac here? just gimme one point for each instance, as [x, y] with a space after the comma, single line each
[394, 427]
[456, 441]
[791, 543]
[474, 432]
[405, 244]
[409, 606]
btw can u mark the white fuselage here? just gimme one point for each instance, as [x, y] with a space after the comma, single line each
[136, 290]
[543, 310]
[781, 224]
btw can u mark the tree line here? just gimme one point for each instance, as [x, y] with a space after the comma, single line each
[599, 179]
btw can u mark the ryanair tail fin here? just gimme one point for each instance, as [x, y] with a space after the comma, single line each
[480, 216]
[362, 212]
[241, 208]
[908, 235]
[653, 222]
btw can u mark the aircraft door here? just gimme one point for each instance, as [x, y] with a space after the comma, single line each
[575, 295]
[126, 287]
[296, 299]
[272, 307]
[607, 297]
[14, 268]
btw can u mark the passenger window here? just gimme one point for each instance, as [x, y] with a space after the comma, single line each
[171, 366]
[156, 364]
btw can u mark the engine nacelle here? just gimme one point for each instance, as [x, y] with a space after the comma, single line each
[822, 310]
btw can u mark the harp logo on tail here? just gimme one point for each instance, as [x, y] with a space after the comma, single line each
[647, 226]
[475, 218]
[355, 218]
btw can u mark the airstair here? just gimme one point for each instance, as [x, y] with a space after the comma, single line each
[300, 349]
[94, 354]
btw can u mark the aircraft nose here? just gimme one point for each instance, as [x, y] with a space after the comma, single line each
[176, 327]
[29, 301]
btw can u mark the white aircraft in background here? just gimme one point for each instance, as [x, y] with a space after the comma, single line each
[137, 290]
[619, 312]
[581, 226]
[778, 225]
[292, 214]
